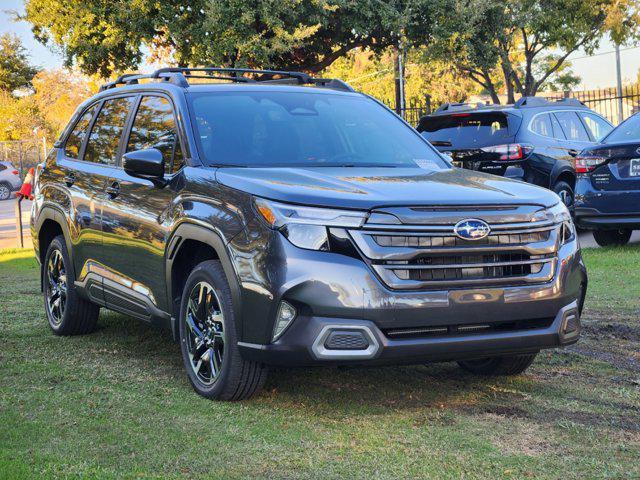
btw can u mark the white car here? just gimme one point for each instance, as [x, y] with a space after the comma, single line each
[10, 180]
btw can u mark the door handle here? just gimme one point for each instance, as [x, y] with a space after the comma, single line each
[70, 179]
[113, 190]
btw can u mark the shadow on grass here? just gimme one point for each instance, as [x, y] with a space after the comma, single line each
[440, 393]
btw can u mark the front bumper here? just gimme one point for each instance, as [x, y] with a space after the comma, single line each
[303, 343]
[332, 290]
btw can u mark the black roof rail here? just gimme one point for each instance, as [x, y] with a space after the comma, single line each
[574, 102]
[450, 107]
[180, 76]
[531, 102]
[543, 102]
[454, 107]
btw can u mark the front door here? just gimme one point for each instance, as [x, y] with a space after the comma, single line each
[137, 213]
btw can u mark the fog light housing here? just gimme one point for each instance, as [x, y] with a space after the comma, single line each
[286, 314]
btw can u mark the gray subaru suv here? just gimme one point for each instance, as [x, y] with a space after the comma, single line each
[273, 218]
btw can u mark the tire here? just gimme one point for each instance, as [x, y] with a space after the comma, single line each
[209, 340]
[505, 365]
[73, 315]
[565, 192]
[612, 238]
[5, 191]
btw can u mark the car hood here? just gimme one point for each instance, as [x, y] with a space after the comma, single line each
[366, 188]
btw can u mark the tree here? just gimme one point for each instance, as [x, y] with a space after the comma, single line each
[528, 41]
[308, 35]
[15, 70]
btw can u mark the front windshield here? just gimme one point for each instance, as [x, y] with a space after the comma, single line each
[627, 131]
[291, 129]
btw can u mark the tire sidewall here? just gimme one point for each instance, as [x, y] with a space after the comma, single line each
[612, 238]
[212, 273]
[8, 187]
[58, 244]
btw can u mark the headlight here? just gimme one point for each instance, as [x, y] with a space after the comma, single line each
[559, 214]
[306, 227]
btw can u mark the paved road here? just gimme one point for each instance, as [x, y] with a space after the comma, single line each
[8, 226]
[8, 233]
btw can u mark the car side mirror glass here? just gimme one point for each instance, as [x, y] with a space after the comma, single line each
[147, 163]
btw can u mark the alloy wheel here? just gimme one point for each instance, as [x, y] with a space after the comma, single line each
[56, 287]
[566, 196]
[5, 193]
[205, 333]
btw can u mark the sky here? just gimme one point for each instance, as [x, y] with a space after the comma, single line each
[598, 71]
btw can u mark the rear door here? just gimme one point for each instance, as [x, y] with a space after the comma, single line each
[468, 138]
[576, 135]
[87, 180]
[80, 185]
[137, 213]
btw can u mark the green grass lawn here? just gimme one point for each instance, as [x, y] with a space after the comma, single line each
[117, 403]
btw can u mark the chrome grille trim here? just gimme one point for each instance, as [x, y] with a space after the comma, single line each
[367, 244]
[428, 255]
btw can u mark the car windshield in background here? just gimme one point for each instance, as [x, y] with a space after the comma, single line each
[464, 129]
[293, 129]
[627, 131]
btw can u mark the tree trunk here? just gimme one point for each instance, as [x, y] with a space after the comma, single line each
[508, 81]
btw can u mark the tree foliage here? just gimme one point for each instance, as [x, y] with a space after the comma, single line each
[302, 34]
[16, 71]
[47, 108]
[528, 41]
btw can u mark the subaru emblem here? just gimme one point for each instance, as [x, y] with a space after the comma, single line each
[471, 229]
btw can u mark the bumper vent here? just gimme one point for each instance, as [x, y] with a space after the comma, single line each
[468, 329]
[345, 340]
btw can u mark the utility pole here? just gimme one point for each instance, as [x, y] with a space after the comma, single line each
[399, 80]
[619, 86]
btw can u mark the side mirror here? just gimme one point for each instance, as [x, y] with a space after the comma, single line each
[147, 163]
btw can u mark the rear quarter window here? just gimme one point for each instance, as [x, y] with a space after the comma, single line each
[79, 132]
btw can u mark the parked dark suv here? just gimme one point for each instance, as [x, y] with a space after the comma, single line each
[274, 218]
[533, 140]
[608, 186]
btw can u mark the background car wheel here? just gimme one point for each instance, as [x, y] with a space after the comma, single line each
[565, 192]
[609, 238]
[208, 338]
[5, 191]
[68, 314]
[504, 365]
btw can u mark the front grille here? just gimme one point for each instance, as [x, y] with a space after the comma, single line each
[468, 329]
[423, 255]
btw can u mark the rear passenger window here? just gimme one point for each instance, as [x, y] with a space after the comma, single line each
[597, 125]
[102, 146]
[155, 127]
[541, 124]
[557, 129]
[572, 126]
[76, 137]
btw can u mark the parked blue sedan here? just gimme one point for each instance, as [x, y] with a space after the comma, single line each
[608, 185]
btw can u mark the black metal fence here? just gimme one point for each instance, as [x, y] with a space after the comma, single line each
[606, 101]
[414, 109]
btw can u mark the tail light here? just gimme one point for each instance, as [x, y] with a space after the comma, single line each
[16, 172]
[510, 151]
[588, 163]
